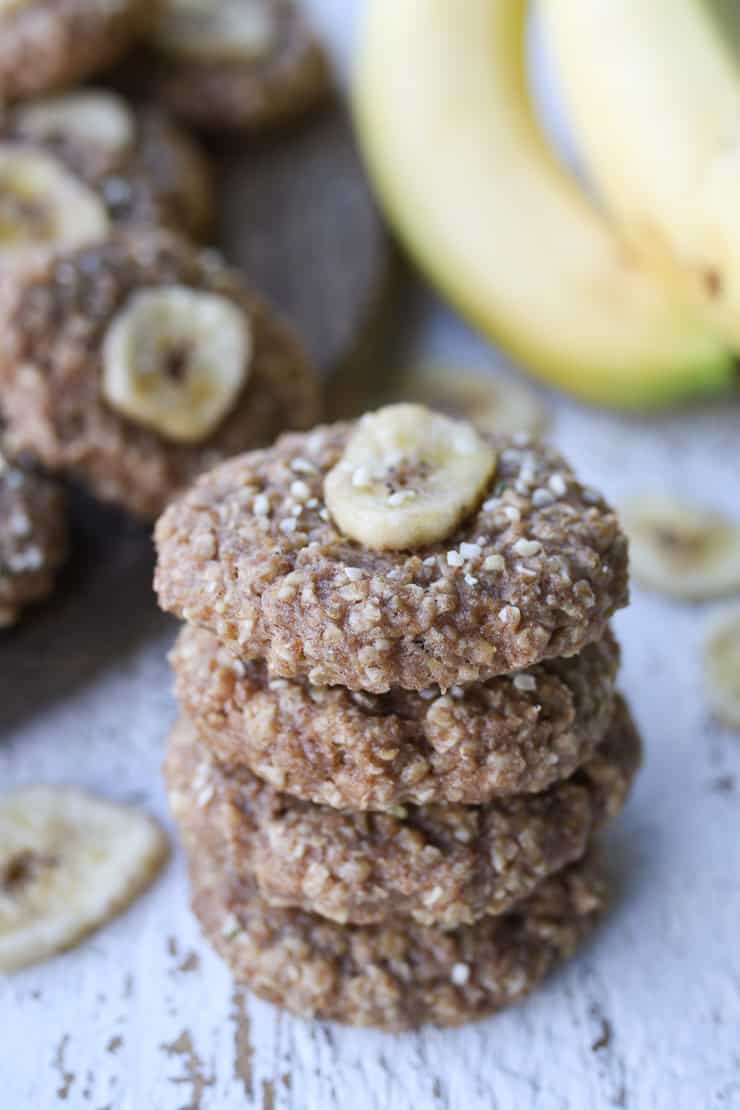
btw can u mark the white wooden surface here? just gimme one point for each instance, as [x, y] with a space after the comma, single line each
[143, 1015]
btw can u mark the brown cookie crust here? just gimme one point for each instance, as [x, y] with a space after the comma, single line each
[251, 554]
[394, 976]
[439, 865]
[53, 318]
[33, 537]
[50, 44]
[249, 96]
[161, 179]
[513, 734]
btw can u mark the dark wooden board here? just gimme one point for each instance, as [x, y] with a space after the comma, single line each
[295, 212]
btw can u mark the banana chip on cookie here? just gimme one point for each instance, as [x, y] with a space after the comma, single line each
[407, 478]
[144, 361]
[133, 163]
[43, 206]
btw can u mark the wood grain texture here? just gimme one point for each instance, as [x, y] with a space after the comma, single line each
[143, 1015]
[296, 214]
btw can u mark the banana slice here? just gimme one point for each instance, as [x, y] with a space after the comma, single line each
[68, 863]
[86, 116]
[407, 478]
[175, 360]
[682, 549]
[215, 30]
[43, 206]
[493, 404]
[722, 666]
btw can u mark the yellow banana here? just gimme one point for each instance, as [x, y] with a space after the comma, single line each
[468, 181]
[653, 89]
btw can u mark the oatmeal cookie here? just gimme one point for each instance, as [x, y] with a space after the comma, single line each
[51, 44]
[139, 361]
[510, 735]
[439, 865]
[245, 64]
[533, 569]
[144, 168]
[33, 537]
[396, 975]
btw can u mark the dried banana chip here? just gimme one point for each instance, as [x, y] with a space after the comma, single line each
[492, 403]
[722, 666]
[175, 360]
[68, 862]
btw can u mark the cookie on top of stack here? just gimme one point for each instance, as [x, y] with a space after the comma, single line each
[399, 725]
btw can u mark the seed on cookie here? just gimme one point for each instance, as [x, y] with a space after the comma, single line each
[175, 360]
[682, 549]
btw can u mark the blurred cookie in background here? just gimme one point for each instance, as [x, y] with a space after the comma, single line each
[47, 45]
[33, 536]
[75, 165]
[139, 361]
[245, 64]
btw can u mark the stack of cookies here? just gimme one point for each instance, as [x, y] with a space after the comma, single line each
[400, 729]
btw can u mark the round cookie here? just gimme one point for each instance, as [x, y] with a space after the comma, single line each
[533, 571]
[439, 865]
[139, 361]
[513, 734]
[33, 537]
[144, 168]
[50, 44]
[244, 64]
[394, 976]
